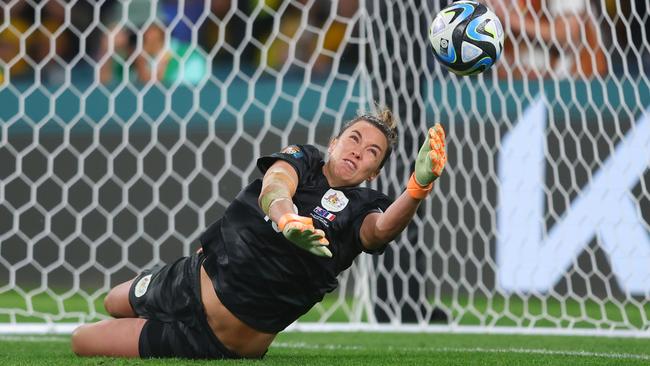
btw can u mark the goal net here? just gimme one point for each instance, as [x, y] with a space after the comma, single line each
[126, 128]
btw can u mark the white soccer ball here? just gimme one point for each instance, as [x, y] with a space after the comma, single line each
[466, 37]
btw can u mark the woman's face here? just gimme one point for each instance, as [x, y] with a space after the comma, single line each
[355, 156]
[154, 41]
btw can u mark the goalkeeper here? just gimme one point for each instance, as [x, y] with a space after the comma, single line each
[274, 254]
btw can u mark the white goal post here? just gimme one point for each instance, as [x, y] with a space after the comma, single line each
[125, 130]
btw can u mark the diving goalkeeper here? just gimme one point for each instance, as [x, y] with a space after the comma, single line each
[275, 253]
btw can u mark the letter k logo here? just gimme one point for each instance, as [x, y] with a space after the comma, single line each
[528, 260]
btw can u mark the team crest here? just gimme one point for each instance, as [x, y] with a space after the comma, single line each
[292, 150]
[142, 285]
[334, 200]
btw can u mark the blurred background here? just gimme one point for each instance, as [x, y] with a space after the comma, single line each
[43, 41]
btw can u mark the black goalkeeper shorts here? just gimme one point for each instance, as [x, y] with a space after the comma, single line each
[170, 298]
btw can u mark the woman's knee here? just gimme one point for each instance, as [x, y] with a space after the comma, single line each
[78, 341]
[111, 303]
[117, 303]
[109, 337]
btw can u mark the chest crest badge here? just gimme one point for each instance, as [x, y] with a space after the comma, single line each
[334, 200]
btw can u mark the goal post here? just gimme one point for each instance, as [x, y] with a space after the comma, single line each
[124, 132]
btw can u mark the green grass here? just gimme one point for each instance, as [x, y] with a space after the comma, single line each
[499, 311]
[373, 349]
[39, 306]
[535, 312]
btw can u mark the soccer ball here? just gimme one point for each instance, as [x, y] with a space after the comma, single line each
[466, 37]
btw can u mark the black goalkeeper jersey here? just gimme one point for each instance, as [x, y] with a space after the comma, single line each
[264, 279]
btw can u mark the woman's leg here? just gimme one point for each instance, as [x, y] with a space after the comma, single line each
[112, 337]
[117, 303]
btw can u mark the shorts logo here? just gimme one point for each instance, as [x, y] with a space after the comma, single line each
[334, 200]
[292, 150]
[142, 285]
[324, 213]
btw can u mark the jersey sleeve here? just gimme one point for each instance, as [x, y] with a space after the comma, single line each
[302, 157]
[373, 202]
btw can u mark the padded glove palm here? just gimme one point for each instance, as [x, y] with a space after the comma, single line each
[300, 231]
[429, 163]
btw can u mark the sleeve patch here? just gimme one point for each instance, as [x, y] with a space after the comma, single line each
[293, 150]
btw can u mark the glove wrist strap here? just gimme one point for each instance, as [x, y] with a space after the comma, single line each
[415, 190]
[287, 218]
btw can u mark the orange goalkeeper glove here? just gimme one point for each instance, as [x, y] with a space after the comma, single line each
[300, 231]
[429, 164]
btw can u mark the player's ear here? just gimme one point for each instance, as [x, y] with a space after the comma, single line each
[330, 148]
[373, 176]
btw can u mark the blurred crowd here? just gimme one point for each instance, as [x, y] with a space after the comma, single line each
[174, 41]
[573, 38]
[170, 40]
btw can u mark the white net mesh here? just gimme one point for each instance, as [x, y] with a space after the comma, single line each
[127, 127]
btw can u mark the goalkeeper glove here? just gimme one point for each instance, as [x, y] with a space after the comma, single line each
[429, 164]
[300, 231]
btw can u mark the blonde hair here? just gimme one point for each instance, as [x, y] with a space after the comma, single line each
[384, 120]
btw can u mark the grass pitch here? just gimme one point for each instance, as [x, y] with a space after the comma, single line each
[372, 349]
[341, 349]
